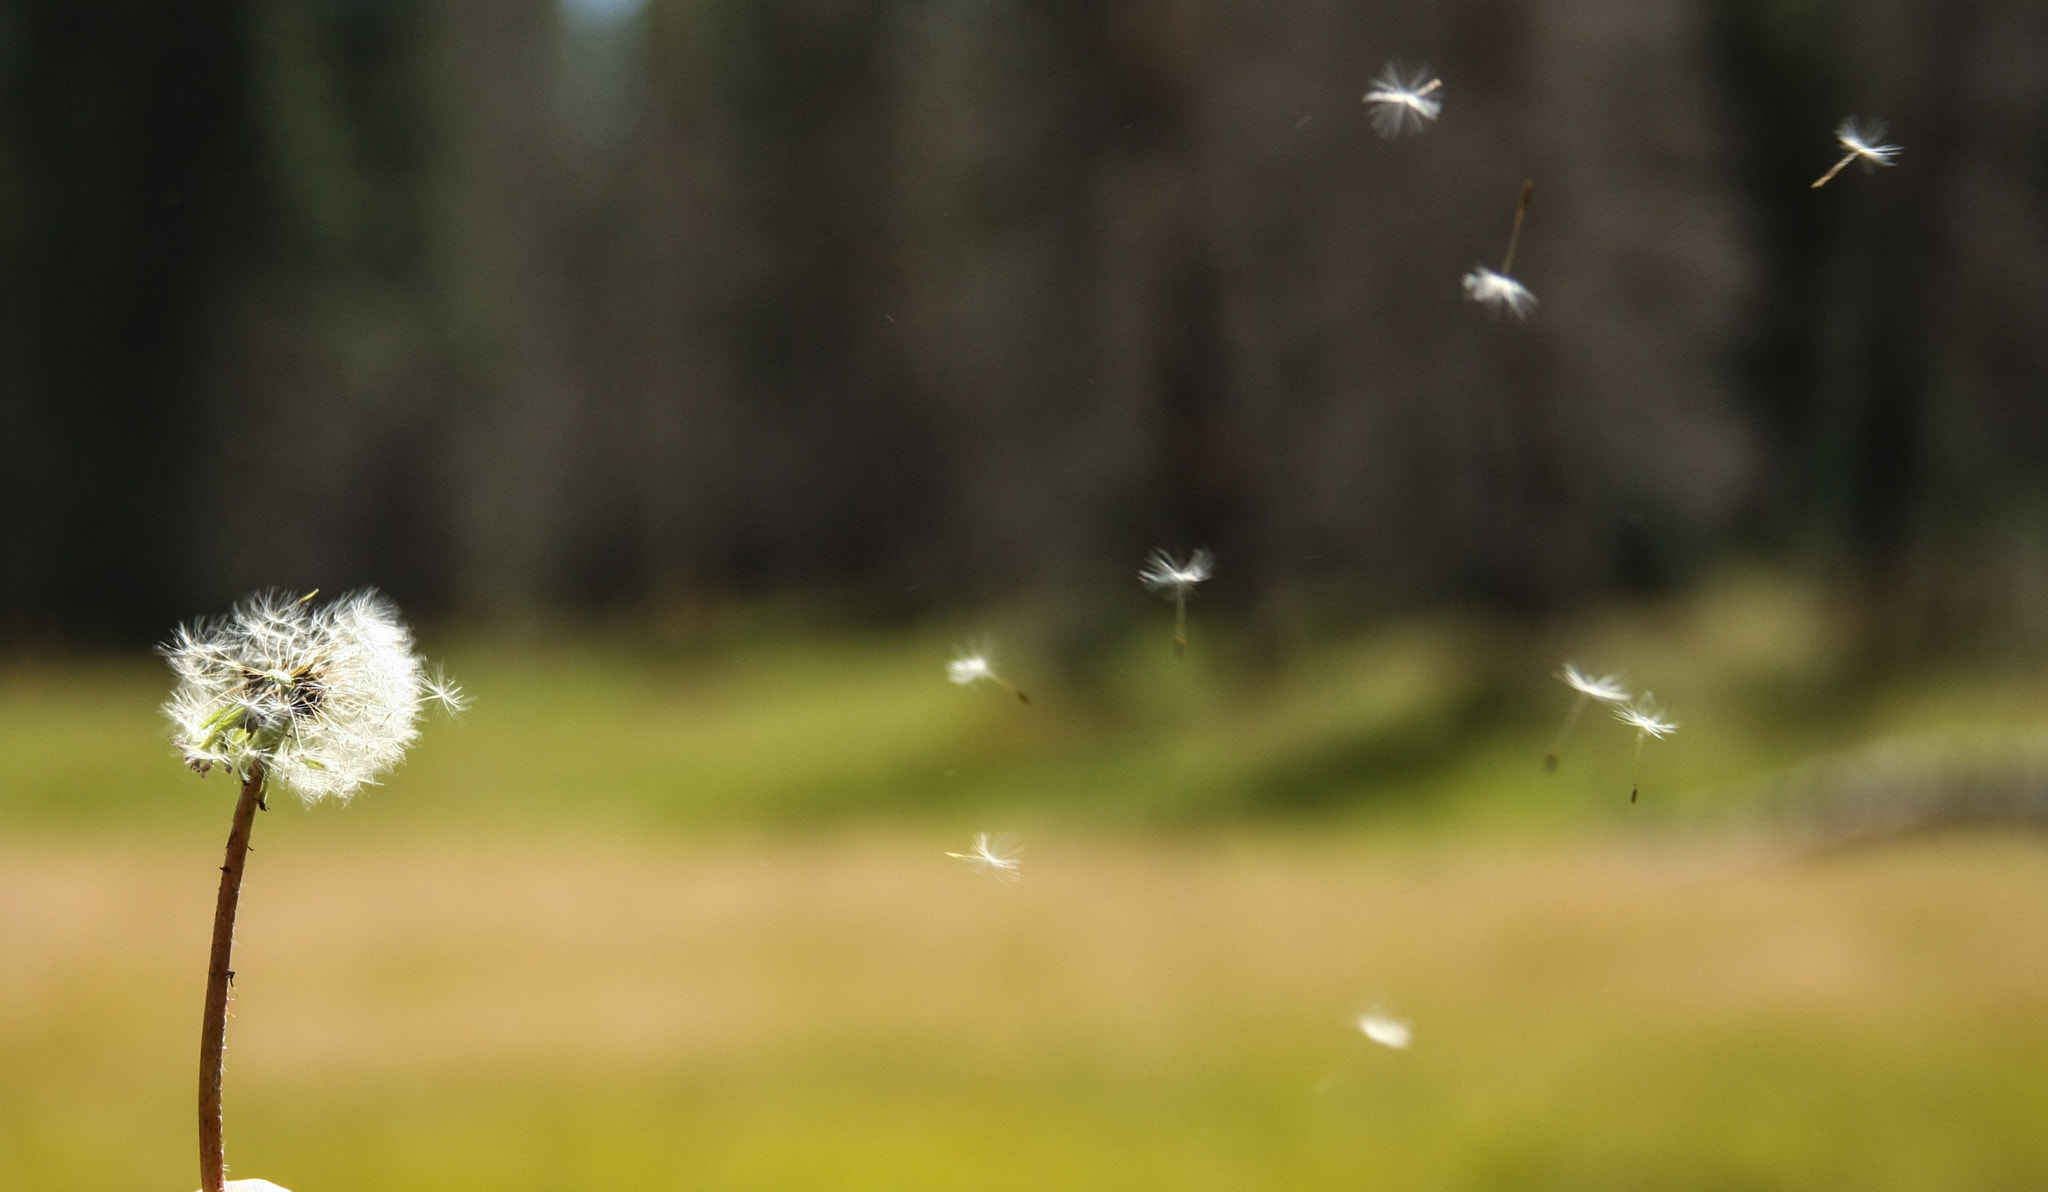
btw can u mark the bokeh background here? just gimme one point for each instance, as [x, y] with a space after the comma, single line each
[699, 374]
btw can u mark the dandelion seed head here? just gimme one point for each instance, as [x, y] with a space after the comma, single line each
[996, 856]
[1168, 578]
[326, 699]
[1607, 688]
[1385, 1030]
[1863, 141]
[970, 667]
[1498, 291]
[1403, 105]
[1645, 717]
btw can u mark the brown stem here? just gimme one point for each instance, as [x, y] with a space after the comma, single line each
[1180, 625]
[1828, 177]
[1507, 266]
[213, 1031]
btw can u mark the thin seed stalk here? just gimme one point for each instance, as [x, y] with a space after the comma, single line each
[220, 976]
[1571, 721]
[1180, 625]
[1635, 771]
[1828, 177]
[1507, 265]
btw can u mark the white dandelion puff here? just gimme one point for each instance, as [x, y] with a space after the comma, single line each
[1498, 292]
[1605, 688]
[996, 856]
[323, 699]
[1643, 716]
[1400, 106]
[1386, 1030]
[1176, 582]
[1862, 141]
[973, 666]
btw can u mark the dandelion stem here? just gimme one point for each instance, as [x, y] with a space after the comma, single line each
[219, 981]
[1507, 265]
[1571, 721]
[1828, 177]
[1180, 624]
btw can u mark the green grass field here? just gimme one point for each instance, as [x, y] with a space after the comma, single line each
[679, 916]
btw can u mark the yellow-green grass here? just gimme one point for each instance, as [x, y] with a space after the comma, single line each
[1441, 719]
[856, 1011]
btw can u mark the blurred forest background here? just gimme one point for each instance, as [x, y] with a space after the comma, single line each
[513, 305]
[697, 373]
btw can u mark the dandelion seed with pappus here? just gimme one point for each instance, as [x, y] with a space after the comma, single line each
[1403, 106]
[1386, 1031]
[1498, 291]
[1605, 688]
[973, 666]
[995, 856]
[321, 701]
[1176, 582]
[1862, 143]
[1644, 716]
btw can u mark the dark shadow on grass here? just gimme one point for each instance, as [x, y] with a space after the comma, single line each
[1386, 767]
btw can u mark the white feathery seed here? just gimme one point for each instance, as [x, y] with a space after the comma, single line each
[1643, 716]
[1498, 291]
[1402, 105]
[970, 668]
[1606, 688]
[996, 856]
[973, 666]
[1386, 1030]
[1863, 144]
[1176, 580]
[326, 698]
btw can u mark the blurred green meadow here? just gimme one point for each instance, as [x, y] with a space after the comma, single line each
[671, 909]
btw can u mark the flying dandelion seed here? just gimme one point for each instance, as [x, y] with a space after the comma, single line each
[1403, 106]
[1605, 688]
[996, 856]
[1644, 716]
[973, 666]
[1386, 1031]
[1500, 291]
[320, 700]
[1861, 141]
[1176, 582]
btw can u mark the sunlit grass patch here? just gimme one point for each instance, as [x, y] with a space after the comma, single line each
[1139, 1013]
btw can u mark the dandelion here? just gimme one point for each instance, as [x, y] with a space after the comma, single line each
[994, 855]
[973, 666]
[1605, 688]
[1176, 582]
[1644, 716]
[1400, 107]
[1861, 142]
[319, 700]
[1499, 291]
[1385, 1030]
